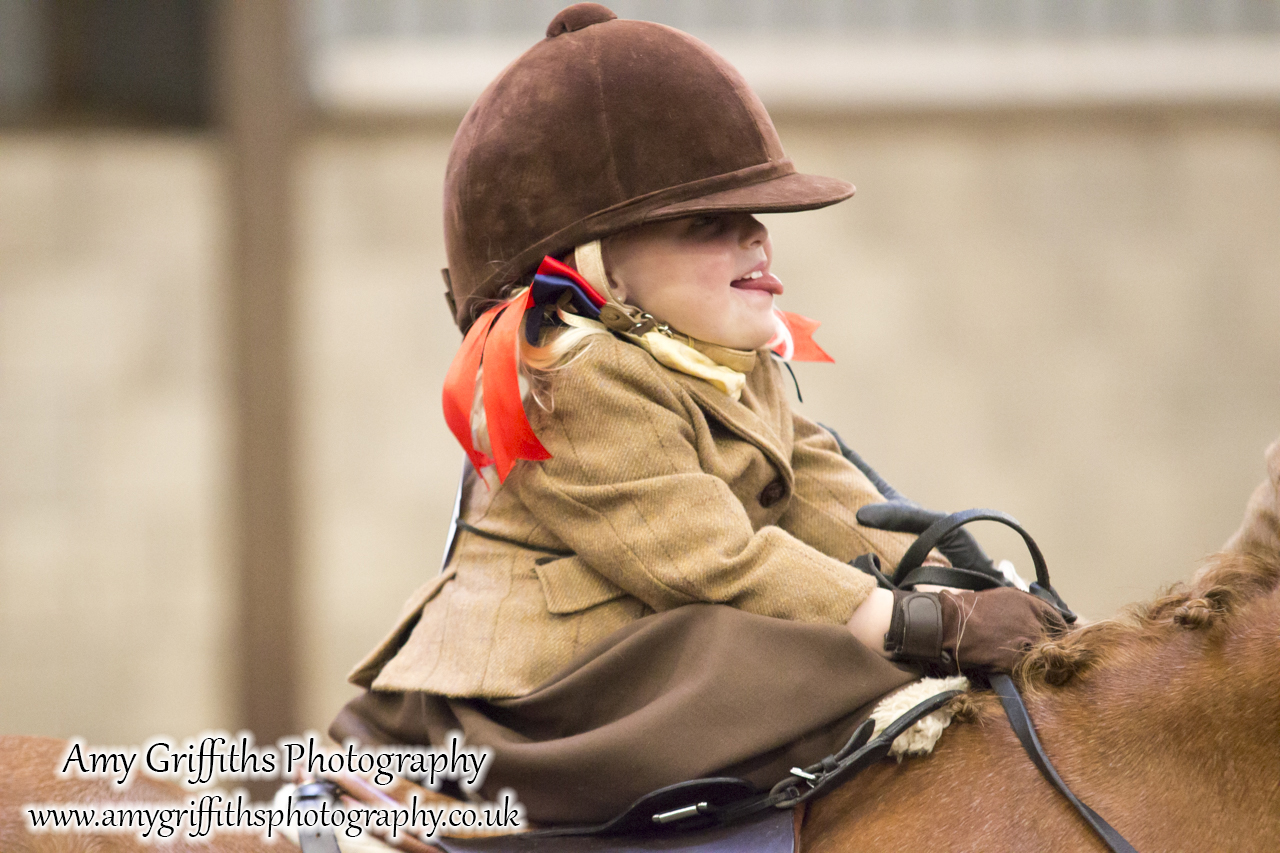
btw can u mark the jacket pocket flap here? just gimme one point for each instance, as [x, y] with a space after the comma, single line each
[569, 585]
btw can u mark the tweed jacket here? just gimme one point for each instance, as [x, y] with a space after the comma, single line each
[665, 491]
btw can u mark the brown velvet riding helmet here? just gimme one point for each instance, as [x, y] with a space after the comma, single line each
[604, 125]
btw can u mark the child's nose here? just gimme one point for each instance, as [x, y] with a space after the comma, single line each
[752, 232]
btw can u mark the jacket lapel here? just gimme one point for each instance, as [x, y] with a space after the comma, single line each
[741, 421]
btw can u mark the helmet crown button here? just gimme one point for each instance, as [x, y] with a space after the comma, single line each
[577, 16]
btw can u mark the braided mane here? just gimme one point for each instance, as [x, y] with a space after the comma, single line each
[1225, 583]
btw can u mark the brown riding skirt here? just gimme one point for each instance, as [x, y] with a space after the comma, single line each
[701, 690]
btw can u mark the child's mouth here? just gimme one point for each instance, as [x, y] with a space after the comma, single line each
[758, 280]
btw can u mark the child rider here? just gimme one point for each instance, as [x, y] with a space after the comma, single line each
[650, 580]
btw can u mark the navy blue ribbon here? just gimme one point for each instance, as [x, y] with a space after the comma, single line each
[547, 291]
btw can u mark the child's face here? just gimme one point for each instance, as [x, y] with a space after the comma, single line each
[706, 276]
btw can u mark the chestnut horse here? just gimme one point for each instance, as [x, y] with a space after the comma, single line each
[1165, 721]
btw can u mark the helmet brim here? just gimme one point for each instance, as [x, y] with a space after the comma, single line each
[783, 194]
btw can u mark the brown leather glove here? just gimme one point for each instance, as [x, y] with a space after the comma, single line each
[952, 631]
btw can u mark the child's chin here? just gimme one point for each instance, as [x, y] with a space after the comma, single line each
[755, 339]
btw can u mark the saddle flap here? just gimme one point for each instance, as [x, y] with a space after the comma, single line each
[770, 831]
[681, 806]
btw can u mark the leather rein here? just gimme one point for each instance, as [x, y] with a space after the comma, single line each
[911, 572]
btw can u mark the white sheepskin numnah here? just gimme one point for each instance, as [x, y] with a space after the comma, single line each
[921, 737]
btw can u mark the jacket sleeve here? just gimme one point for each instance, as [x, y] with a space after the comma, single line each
[625, 490]
[829, 491]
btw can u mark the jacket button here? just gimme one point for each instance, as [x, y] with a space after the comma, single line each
[772, 493]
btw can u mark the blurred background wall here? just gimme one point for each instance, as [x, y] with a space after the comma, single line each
[222, 331]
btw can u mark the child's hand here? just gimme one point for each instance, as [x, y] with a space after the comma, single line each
[963, 630]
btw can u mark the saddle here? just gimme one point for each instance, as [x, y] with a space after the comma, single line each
[711, 815]
[774, 831]
[771, 831]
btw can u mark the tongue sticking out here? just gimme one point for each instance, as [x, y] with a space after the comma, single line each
[767, 282]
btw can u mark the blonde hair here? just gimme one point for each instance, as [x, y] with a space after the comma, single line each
[556, 350]
[558, 347]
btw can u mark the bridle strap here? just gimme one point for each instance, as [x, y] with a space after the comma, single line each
[911, 570]
[927, 541]
[1020, 722]
[952, 576]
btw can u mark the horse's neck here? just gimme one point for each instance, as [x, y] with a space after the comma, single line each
[1178, 739]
